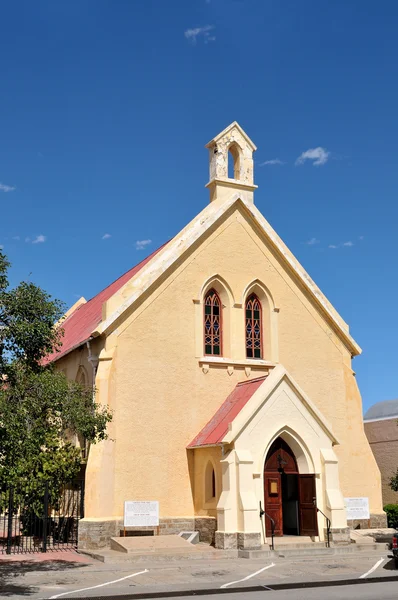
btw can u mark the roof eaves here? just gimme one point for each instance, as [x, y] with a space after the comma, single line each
[387, 418]
[216, 445]
[69, 350]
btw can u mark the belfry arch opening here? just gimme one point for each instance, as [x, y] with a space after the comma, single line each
[289, 496]
[234, 162]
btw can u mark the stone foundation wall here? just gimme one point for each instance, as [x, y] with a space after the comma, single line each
[376, 521]
[207, 529]
[240, 541]
[338, 537]
[226, 541]
[97, 533]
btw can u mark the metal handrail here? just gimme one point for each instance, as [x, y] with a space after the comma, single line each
[328, 524]
[262, 513]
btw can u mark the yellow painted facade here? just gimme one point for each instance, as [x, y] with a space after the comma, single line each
[163, 390]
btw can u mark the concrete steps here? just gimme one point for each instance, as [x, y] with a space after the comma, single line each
[107, 555]
[313, 550]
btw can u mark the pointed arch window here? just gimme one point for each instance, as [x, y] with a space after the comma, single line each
[210, 482]
[254, 345]
[233, 162]
[213, 323]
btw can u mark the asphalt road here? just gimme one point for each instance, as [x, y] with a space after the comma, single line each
[73, 576]
[368, 591]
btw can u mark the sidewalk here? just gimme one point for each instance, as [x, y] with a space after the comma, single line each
[65, 574]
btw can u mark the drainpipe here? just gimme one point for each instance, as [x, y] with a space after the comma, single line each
[93, 360]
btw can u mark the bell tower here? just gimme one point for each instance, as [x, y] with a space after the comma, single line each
[231, 164]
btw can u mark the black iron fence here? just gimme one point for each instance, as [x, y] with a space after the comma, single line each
[40, 520]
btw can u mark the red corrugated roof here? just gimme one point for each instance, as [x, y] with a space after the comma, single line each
[217, 427]
[84, 320]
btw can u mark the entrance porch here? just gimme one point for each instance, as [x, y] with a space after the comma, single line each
[276, 455]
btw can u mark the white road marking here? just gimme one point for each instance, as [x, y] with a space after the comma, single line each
[372, 569]
[248, 577]
[98, 586]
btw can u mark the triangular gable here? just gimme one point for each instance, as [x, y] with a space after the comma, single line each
[234, 125]
[196, 229]
[244, 402]
[260, 397]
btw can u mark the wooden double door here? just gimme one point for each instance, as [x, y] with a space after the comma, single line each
[289, 497]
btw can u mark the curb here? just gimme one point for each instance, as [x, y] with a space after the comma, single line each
[254, 588]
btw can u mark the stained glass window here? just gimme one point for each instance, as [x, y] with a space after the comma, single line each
[253, 328]
[212, 323]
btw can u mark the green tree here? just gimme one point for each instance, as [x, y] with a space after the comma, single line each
[40, 410]
[394, 482]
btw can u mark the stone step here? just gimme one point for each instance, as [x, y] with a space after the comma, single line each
[313, 550]
[280, 546]
[107, 555]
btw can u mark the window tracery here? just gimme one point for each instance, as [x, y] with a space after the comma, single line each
[253, 327]
[212, 324]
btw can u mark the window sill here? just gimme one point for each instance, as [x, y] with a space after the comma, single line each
[248, 364]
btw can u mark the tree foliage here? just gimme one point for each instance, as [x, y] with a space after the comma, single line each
[391, 511]
[41, 412]
[394, 482]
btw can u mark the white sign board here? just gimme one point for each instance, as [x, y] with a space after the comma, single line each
[357, 508]
[141, 513]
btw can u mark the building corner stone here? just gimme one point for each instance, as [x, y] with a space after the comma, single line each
[249, 541]
[339, 536]
[226, 541]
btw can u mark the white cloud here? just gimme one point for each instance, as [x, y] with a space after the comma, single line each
[1, 247]
[344, 244]
[194, 33]
[273, 161]
[319, 155]
[6, 188]
[361, 237]
[106, 236]
[141, 244]
[16, 237]
[312, 242]
[40, 239]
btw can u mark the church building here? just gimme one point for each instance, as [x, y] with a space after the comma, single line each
[229, 375]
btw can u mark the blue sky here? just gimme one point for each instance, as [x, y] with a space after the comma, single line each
[105, 106]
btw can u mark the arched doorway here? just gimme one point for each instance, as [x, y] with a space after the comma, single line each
[289, 497]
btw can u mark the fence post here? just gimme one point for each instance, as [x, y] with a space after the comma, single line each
[45, 518]
[10, 517]
[81, 507]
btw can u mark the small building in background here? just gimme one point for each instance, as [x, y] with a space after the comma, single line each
[381, 428]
